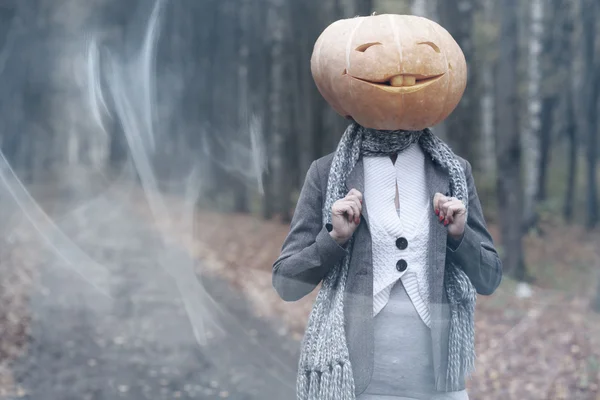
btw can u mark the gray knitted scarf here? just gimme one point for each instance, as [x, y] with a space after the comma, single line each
[325, 372]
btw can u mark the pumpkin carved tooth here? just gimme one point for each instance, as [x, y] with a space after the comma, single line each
[410, 81]
[403, 80]
[397, 81]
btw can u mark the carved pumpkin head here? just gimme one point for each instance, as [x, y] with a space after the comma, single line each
[390, 72]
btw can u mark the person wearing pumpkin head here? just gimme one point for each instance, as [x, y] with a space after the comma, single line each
[390, 223]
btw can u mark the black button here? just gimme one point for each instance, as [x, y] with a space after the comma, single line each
[401, 265]
[401, 243]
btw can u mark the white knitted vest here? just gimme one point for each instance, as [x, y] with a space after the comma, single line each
[381, 176]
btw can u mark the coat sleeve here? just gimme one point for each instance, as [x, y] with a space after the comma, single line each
[475, 251]
[308, 251]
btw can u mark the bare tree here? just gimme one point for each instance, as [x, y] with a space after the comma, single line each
[558, 73]
[279, 110]
[531, 134]
[486, 61]
[457, 17]
[508, 146]
[590, 89]
[242, 10]
[562, 56]
[571, 130]
[326, 125]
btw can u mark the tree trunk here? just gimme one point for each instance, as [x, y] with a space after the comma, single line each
[457, 17]
[328, 125]
[305, 29]
[486, 89]
[572, 158]
[558, 75]
[279, 106]
[508, 146]
[592, 162]
[548, 106]
[240, 189]
[269, 201]
[590, 91]
[531, 136]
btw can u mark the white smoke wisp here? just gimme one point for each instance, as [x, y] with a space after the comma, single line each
[95, 96]
[74, 257]
[131, 85]
[128, 82]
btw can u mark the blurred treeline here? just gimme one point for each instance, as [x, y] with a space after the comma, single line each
[234, 81]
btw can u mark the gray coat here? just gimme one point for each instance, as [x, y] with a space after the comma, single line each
[309, 252]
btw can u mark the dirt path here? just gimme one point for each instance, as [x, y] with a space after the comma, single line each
[139, 344]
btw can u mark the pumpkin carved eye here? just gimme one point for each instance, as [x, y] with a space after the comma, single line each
[363, 47]
[432, 45]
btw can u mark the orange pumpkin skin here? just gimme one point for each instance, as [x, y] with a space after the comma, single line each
[354, 60]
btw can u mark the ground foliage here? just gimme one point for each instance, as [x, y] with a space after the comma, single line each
[543, 347]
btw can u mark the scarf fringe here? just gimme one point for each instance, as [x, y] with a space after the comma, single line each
[461, 336]
[335, 382]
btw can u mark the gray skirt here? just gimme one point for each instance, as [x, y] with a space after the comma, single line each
[403, 359]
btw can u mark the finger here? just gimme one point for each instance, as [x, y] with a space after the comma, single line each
[438, 200]
[348, 212]
[444, 206]
[351, 210]
[449, 214]
[342, 208]
[444, 212]
[356, 193]
[449, 202]
[355, 201]
[354, 198]
[454, 210]
[355, 205]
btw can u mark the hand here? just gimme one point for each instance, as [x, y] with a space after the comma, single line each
[452, 213]
[345, 216]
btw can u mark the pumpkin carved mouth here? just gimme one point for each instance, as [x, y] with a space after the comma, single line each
[401, 83]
